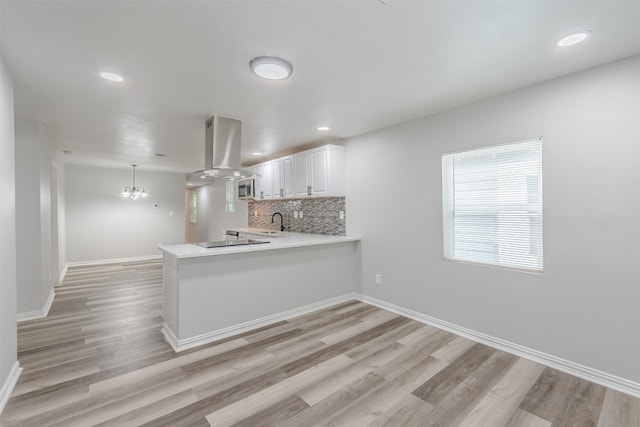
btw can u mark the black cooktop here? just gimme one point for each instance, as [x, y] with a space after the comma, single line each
[233, 242]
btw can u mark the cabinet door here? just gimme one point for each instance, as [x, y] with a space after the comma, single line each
[319, 172]
[276, 175]
[301, 174]
[286, 172]
[257, 181]
[267, 181]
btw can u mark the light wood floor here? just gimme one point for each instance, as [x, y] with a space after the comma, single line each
[99, 359]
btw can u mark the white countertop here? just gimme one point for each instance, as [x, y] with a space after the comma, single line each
[284, 240]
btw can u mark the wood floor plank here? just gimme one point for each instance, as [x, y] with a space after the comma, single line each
[453, 349]
[522, 418]
[441, 385]
[99, 358]
[564, 399]
[322, 390]
[275, 414]
[497, 406]
[268, 396]
[380, 400]
[453, 407]
[619, 409]
[343, 396]
[410, 411]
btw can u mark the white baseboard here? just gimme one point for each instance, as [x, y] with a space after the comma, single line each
[612, 381]
[9, 384]
[599, 377]
[37, 314]
[111, 261]
[63, 273]
[187, 343]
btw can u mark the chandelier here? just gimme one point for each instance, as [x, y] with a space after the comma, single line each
[134, 192]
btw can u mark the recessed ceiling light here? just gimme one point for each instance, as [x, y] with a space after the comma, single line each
[270, 67]
[572, 39]
[323, 128]
[111, 76]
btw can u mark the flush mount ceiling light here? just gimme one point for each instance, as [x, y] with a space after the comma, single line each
[270, 67]
[323, 128]
[572, 39]
[133, 192]
[111, 76]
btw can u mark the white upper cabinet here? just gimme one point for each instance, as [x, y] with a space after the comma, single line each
[287, 176]
[282, 173]
[267, 180]
[257, 181]
[301, 174]
[264, 183]
[319, 172]
[276, 175]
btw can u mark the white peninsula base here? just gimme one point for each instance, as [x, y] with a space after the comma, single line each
[210, 294]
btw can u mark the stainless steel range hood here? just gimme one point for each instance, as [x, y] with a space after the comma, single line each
[222, 149]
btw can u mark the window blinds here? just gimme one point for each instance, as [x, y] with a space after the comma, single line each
[492, 205]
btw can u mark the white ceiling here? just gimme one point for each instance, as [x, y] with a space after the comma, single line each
[358, 66]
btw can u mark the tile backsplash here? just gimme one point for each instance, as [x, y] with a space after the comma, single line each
[320, 215]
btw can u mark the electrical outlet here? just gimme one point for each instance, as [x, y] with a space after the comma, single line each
[378, 279]
[300, 215]
[341, 214]
[255, 213]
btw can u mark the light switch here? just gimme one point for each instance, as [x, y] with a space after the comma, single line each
[295, 214]
[170, 213]
[300, 215]
[341, 214]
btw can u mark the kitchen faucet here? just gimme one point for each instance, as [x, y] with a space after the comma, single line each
[281, 220]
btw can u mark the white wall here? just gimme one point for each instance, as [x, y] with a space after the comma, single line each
[199, 232]
[219, 218]
[33, 216]
[212, 218]
[100, 225]
[8, 340]
[586, 306]
[61, 218]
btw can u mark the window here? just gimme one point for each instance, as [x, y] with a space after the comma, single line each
[492, 205]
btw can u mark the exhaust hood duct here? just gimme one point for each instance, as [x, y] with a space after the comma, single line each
[222, 149]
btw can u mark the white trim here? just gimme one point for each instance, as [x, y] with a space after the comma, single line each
[63, 273]
[111, 261]
[37, 314]
[9, 384]
[170, 337]
[209, 337]
[608, 380]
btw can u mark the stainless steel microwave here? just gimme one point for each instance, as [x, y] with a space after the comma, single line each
[246, 189]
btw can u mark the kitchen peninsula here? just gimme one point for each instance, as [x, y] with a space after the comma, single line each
[213, 293]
